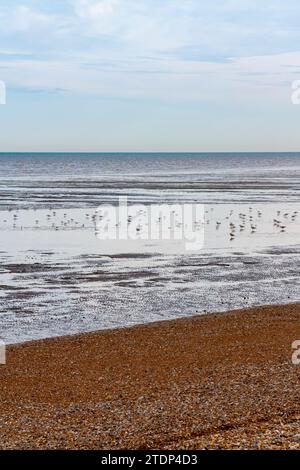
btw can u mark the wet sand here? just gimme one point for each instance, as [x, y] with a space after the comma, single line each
[213, 381]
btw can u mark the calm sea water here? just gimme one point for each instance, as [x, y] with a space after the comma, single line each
[57, 277]
[84, 180]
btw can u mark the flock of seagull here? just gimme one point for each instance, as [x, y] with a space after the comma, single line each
[242, 220]
[252, 219]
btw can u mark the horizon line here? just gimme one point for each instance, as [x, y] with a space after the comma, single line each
[147, 152]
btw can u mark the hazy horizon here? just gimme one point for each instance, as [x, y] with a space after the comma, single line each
[136, 152]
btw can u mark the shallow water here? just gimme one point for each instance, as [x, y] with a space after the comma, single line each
[57, 277]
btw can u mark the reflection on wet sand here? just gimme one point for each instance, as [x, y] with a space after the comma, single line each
[57, 277]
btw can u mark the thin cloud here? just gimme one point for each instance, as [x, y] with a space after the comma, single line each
[148, 48]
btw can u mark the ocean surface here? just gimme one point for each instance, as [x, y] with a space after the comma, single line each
[57, 276]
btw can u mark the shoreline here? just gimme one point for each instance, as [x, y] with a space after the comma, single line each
[222, 380]
[196, 315]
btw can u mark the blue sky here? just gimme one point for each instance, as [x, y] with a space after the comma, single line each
[149, 75]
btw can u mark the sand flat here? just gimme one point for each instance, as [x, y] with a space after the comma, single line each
[214, 381]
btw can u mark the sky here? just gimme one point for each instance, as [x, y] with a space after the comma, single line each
[149, 75]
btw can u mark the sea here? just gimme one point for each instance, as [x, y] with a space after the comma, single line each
[60, 275]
